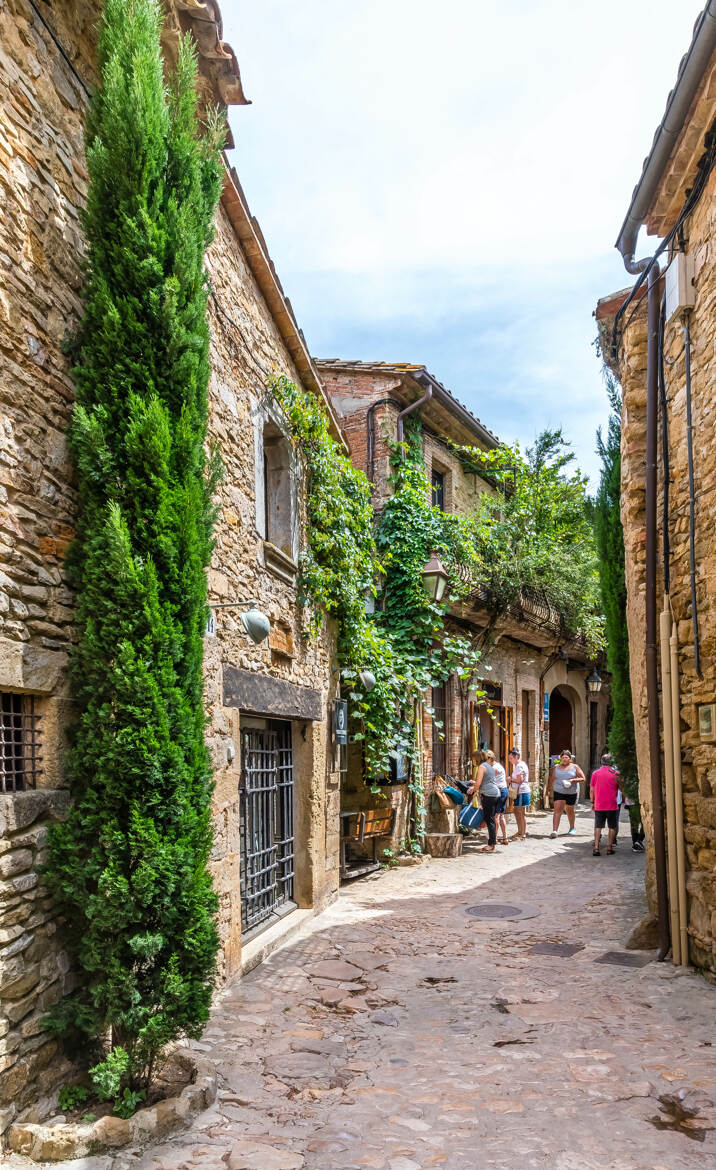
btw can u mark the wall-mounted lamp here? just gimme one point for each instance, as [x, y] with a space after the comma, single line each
[367, 680]
[435, 578]
[594, 682]
[256, 624]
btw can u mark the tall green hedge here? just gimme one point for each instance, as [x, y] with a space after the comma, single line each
[129, 868]
[609, 536]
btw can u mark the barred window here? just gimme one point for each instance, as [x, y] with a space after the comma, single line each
[20, 757]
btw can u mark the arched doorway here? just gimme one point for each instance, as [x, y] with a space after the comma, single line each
[561, 723]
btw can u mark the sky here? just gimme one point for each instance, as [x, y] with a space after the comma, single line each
[443, 183]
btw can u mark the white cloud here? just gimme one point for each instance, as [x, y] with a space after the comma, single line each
[451, 178]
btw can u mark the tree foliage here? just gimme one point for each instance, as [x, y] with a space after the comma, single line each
[609, 537]
[129, 867]
[534, 532]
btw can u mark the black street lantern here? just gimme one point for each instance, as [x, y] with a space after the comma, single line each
[434, 578]
[594, 682]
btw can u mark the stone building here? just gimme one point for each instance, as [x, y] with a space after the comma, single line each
[665, 364]
[531, 667]
[274, 860]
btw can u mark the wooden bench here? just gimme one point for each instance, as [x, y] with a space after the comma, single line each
[356, 829]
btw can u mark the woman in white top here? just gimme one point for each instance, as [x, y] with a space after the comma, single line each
[564, 780]
[501, 780]
[520, 790]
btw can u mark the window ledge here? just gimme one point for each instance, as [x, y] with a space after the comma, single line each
[280, 563]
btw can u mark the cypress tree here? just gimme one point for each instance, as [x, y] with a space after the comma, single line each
[129, 867]
[609, 536]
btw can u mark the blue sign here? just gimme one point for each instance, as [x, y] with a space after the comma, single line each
[546, 706]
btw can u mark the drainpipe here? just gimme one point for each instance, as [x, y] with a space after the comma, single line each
[669, 754]
[678, 798]
[409, 410]
[652, 675]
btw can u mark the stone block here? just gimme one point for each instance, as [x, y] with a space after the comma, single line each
[443, 844]
[706, 811]
[112, 1131]
[16, 1000]
[12, 1081]
[28, 667]
[20, 809]
[14, 862]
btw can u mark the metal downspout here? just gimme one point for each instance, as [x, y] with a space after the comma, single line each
[679, 798]
[409, 410]
[652, 674]
[667, 720]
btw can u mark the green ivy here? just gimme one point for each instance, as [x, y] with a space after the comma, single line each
[405, 646]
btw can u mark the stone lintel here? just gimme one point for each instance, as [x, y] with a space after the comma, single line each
[18, 810]
[263, 695]
[30, 668]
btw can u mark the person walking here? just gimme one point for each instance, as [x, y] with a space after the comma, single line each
[637, 829]
[564, 781]
[604, 788]
[486, 786]
[501, 780]
[520, 787]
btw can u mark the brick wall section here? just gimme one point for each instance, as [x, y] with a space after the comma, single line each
[515, 663]
[698, 757]
[43, 185]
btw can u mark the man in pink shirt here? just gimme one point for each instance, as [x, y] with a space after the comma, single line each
[604, 784]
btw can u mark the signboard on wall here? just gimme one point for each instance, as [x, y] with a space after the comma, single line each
[546, 707]
[340, 721]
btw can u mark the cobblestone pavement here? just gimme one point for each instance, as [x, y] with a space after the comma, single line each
[400, 1032]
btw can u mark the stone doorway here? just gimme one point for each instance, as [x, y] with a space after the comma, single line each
[561, 723]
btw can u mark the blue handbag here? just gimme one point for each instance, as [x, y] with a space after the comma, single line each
[470, 817]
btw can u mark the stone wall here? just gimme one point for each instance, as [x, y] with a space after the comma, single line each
[42, 185]
[698, 755]
[34, 970]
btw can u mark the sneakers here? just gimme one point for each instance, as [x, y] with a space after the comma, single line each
[572, 833]
[637, 847]
[553, 833]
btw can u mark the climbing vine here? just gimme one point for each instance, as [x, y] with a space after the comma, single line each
[404, 644]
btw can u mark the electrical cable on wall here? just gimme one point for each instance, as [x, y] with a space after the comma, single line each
[60, 49]
[664, 448]
[705, 167]
[692, 510]
[222, 312]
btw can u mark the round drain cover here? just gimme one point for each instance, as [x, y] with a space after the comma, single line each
[501, 910]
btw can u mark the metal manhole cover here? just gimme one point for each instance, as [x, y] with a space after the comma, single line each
[501, 910]
[560, 950]
[624, 959]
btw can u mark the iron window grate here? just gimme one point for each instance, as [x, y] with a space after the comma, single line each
[20, 742]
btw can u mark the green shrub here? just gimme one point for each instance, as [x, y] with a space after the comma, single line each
[609, 536]
[70, 1097]
[128, 869]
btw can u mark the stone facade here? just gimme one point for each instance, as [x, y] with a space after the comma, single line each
[34, 970]
[253, 335]
[522, 661]
[698, 751]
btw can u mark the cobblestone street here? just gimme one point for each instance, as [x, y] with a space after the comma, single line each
[401, 1032]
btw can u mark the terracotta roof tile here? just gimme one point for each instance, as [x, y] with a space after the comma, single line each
[405, 368]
